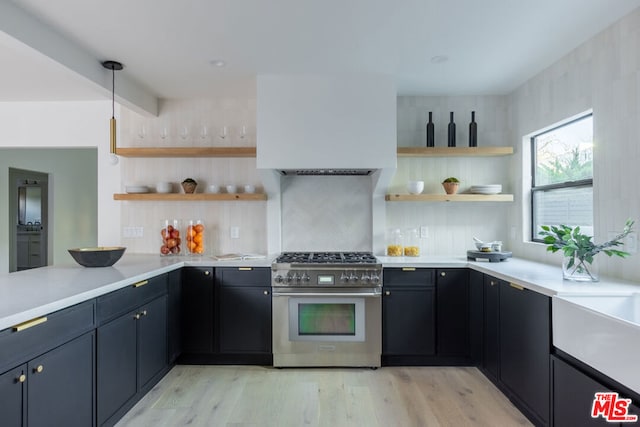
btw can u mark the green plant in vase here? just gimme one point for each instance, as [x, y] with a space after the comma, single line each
[579, 249]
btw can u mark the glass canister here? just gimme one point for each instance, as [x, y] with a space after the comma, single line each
[171, 238]
[412, 242]
[395, 242]
[195, 237]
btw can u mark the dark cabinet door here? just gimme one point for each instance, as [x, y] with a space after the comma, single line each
[174, 316]
[525, 341]
[12, 399]
[408, 321]
[152, 339]
[476, 316]
[452, 295]
[573, 394]
[491, 328]
[197, 310]
[245, 319]
[60, 385]
[116, 364]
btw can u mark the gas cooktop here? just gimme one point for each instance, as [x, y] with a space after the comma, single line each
[326, 258]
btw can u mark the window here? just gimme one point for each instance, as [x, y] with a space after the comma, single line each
[562, 176]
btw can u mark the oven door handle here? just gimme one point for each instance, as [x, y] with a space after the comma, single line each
[327, 294]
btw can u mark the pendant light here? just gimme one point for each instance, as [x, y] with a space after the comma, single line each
[113, 66]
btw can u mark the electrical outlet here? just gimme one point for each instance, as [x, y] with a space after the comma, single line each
[424, 232]
[128, 232]
[234, 232]
[631, 243]
[139, 232]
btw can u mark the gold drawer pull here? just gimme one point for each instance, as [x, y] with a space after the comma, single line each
[137, 285]
[39, 369]
[518, 287]
[245, 268]
[206, 273]
[408, 269]
[29, 324]
[22, 378]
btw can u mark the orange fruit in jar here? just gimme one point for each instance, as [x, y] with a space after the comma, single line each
[199, 228]
[198, 238]
[190, 232]
[191, 246]
[199, 249]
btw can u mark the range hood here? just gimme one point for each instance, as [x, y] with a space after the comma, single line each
[326, 124]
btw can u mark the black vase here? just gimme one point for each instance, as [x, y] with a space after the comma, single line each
[430, 138]
[451, 137]
[473, 131]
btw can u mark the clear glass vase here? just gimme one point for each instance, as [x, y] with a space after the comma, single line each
[579, 270]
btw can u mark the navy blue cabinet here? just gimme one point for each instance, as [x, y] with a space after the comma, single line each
[132, 346]
[491, 328]
[197, 314]
[452, 320]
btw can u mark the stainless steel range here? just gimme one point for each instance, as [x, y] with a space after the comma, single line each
[327, 309]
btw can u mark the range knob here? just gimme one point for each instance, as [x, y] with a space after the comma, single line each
[305, 278]
[344, 278]
[295, 278]
[365, 278]
[353, 278]
[278, 279]
[375, 279]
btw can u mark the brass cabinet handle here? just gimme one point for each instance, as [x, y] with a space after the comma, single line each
[144, 312]
[22, 378]
[442, 273]
[137, 316]
[493, 283]
[245, 268]
[206, 273]
[137, 285]
[266, 292]
[29, 324]
[38, 369]
[387, 293]
[518, 287]
[408, 269]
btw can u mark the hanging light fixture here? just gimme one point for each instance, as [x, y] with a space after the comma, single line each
[113, 66]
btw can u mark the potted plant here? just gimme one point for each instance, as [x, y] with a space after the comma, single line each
[451, 185]
[579, 249]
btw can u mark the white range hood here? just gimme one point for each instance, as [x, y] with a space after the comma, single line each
[341, 125]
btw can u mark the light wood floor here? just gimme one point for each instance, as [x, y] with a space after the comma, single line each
[257, 396]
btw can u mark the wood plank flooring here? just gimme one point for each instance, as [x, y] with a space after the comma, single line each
[241, 396]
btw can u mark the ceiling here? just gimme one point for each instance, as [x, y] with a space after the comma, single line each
[168, 46]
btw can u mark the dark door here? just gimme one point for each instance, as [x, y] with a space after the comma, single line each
[12, 402]
[152, 339]
[452, 294]
[408, 318]
[476, 316]
[245, 319]
[60, 385]
[116, 364]
[174, 316]
[525, 341]
[197, 310]
[491, 331]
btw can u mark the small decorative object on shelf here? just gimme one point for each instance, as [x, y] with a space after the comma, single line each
[579, 250]
[451, 137]
[451, 185]
[189, 185]
[430, 132]
[473, 131]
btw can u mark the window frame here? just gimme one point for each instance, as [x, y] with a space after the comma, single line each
[566, 184]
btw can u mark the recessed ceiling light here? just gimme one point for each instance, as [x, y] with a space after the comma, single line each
[439, 59]
[217, 63]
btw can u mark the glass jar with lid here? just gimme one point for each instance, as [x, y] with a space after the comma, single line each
[395, 242]
[412, 242]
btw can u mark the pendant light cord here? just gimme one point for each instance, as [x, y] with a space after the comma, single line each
[113, 92]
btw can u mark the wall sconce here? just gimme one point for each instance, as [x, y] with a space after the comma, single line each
[113, 66]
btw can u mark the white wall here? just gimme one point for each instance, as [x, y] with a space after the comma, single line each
[602, 74]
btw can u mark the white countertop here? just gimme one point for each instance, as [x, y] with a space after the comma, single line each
[28, 294]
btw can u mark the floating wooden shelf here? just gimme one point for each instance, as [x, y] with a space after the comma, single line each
[449, 197]
[186, 151]
[454, 151]
[191, 197]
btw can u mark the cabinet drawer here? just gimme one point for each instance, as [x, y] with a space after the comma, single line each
[399, 277]
[244, 276]
[17, 346]
[126, 299]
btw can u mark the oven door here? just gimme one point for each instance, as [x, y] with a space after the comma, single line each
[327, 327]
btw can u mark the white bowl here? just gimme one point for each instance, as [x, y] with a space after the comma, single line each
[415, 187]
[249, 188]
[231, 189]
[213, 188]
[164, 187]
